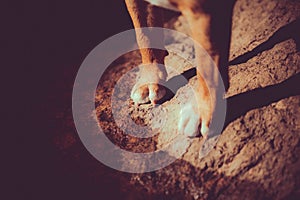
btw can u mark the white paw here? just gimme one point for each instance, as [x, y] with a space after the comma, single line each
[189, 121]
[149, 84]
[148, 92]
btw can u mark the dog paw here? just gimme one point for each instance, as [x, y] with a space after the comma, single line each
[191, 119]
[149, 84]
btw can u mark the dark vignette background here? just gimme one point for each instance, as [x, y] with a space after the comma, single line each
[47, 40]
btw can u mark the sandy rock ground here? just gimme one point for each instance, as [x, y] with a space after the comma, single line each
[257, 154]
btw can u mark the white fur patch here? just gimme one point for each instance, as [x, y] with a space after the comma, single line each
[189, 121]
[163, 3]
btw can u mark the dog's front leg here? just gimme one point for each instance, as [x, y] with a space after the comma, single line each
[210, 22]
[152, 73]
